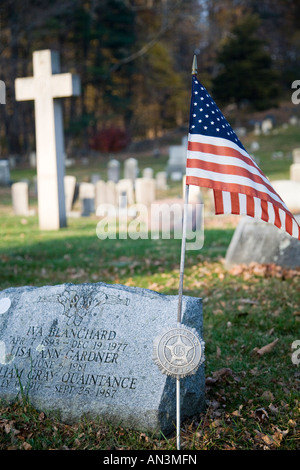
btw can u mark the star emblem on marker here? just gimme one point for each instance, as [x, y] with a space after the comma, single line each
[179, 351]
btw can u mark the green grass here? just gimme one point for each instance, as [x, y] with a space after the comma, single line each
[279, 140]
[252, 398]
[243, 310]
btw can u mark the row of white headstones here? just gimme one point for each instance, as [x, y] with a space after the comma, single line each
[124, 192]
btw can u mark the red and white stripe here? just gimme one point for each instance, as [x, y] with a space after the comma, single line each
[240, 187]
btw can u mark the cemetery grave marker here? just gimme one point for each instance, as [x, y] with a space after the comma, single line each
[4, 173]
[87, 198]
[113, 170]
[19, 192]
[86, 350]
[145, 191]
[46, 85]
[70, 186]
[131, 169]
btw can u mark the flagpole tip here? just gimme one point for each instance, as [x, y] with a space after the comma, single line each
[194, 66]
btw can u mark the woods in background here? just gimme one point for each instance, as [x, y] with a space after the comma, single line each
[134, 61]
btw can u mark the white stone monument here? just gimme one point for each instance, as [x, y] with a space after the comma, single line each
[70, 185]
[161, 180]
[125, 192]
[131, 169]
[296, 155]
[266, 126]
[113, 170]
[295, 172]
[148, 173]
[4, 173]
[145, 191]
[100, 193]
[87, 198]
[295, 167]
[20, 200]
[44, 87]
[177, 162]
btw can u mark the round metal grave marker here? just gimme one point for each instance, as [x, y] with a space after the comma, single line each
[179, 351]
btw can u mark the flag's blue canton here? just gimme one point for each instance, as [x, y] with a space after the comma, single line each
[206, 118]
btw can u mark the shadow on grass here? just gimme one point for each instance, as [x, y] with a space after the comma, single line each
[75, 254]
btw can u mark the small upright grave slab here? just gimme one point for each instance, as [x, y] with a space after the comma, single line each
[4, 173]
[177, 161]
[260, 242]
[20, 199]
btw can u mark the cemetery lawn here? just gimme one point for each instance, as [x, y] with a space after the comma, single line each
[251, 321]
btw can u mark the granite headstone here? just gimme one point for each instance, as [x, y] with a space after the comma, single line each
[20, 199]
[86, 350]
[4, 173]
[113, 170]
[260, 242]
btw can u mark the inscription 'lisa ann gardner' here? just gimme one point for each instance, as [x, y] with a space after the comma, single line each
[67, 360]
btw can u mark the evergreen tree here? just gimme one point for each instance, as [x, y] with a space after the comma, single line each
[247, 75]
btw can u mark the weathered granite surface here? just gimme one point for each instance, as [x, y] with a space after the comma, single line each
[87, 350]
[260, 242]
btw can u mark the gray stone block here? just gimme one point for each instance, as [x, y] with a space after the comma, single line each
[261, 242]
[86, 350]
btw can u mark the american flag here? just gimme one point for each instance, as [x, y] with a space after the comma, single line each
[217, 159]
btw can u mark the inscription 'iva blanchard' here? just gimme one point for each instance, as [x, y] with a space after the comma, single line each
[82, 333]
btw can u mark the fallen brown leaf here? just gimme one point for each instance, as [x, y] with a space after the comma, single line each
[260, 414]
[26, 446]
[265, 349]
[267, 395]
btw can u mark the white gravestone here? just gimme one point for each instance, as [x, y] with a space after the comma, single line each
[70, 185]
[295, 172]
[296, 155]
[32, 159]
[111, 193]
[295, 167]
[113, 170]
[106, 198]
[257, 130]
[161, 180]
[131, 169]
[195, 195]
[145, 191]
[289, 191]
[44, 87]
[177, 160]
[87, 198]
[19, 193]
[4, 173]
[148, 173]
[100, 193]
[266, 126]
[125, 192]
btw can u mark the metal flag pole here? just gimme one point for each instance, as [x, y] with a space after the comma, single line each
[178, 351]
[182, 259]
[183, 242]
[183, 245]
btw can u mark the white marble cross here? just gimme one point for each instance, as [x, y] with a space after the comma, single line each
[46, 85]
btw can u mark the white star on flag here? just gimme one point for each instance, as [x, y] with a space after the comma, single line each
[217, 159]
